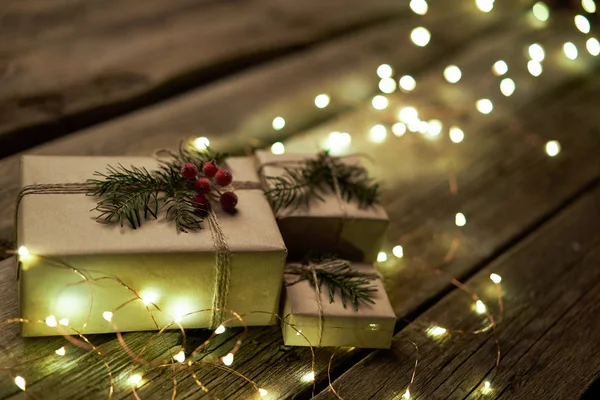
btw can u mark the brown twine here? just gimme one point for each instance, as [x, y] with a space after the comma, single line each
[222, 251]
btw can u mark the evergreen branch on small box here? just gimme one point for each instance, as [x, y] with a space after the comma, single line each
[297, 186]
[133, 195]
[337, 274]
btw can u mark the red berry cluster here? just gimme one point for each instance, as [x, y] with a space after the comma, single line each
[203, 185]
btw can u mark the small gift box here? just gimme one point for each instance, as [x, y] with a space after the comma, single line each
[324, 204]
[77, 271]
[333, 321]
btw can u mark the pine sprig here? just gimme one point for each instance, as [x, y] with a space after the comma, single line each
[133, 195]
[297, 186]
[336, 275]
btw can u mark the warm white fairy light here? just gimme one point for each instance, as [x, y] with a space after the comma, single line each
[135, 380]
[553, 148]
[179, 357]
[51, 321]
[406, 394]
[201, 143]
[413, 126]
[322, 100]
[399, 129]
[434, 127]
[385, 71]
[420, 36]
[308, 377]
[495, 278]
[64, 322]
[378, 133]
[456, 134]
[541, 11]
[484, 106]
[507, 87]
[480, 307]
[589, 6]
[487, 386]
[398, 251]
[582, 23]
[460, 219]
[382, 256]
[419, 6]
[423, 127]
[380, 102]
[228, 359]
[338, 141]
[107, 315]
[149, 296]
[408, 115]
[500, 68]
[220, 329]
[387, 85]
[277, 148]
[485, 5]
[61, 352]
[407, 83]
[278, 123]
[593, 46]
[536, 52]
[452, 73]
[20, 382]
[23, 252]
[534, 68]
[436, 331]
[570, 50]
[262, 392]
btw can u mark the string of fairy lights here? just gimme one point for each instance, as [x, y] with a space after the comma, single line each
[408, 120]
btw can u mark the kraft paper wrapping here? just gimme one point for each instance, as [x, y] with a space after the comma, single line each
[356, 235]
[174, 270]
[372, 326]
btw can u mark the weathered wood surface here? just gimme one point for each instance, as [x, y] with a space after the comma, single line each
[548, 336]
[72, 63]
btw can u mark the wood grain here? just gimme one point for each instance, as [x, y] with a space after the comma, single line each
[548, 335]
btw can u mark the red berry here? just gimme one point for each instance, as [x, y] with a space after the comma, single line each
[228, 201]
[200, 201]
[223, 177]
[210, 168]
[202, 185]
[189, 170]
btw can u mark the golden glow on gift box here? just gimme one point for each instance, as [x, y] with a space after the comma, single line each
[378, 133]
[420, 36]
[507, 87]
[589, 6]
[500, 68]
[228, 359]
[278, 123]
[309, 377]
[380, 102]
[61, 351]
[419, 7]
[278, 148]
[408, 115]
[322, 100]
[456, 134]
[407, 83]
[495, 278]
[436, 331]
[382, 256]
[135, 380]
[20, 382]
[541, 11]
[452, 73]
[536, 52]
[201, 143]
[553, 148]
[534, 68]
[480, 307]
[485, 5]
[149, 296]
[387, 85]
[179, 357]
[64, 322]
[593, 46]
[484, 106]
[582, 23]
[460, 219]
[220, 330]
[385, 71]
[570, 50]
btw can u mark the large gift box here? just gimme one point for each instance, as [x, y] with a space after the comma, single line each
[327, 224]
[369, 326]
[171, 271]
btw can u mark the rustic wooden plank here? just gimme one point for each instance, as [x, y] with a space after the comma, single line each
[116, 57]
[548, 334]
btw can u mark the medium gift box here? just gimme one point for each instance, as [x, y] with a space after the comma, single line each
[172, 273]
[310, 317]
[326, 222]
